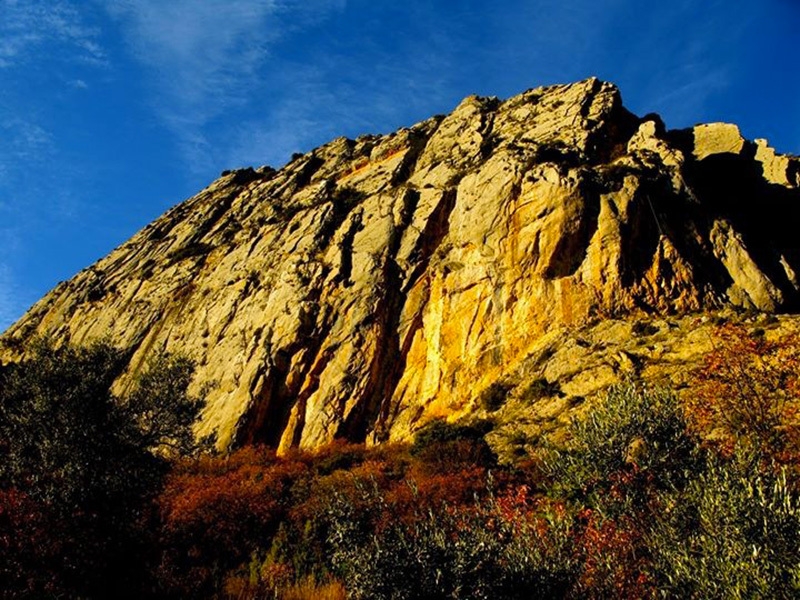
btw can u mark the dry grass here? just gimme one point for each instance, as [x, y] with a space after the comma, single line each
[309, 589]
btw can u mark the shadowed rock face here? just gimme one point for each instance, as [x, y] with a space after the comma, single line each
[371, 285]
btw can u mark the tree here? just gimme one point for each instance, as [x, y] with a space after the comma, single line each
[88, 462]
[159, 413]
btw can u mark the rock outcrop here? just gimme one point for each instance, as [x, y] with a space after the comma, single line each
[373, 284]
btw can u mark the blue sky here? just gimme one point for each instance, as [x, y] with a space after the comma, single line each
[113, 110]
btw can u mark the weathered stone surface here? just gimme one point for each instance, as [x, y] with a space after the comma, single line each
[373, 284]
[777, 168]
[717, 138]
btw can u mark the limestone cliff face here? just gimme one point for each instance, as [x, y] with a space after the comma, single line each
[376, 283]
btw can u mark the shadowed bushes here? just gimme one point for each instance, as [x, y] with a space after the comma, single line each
[647, 497]
[80, 467]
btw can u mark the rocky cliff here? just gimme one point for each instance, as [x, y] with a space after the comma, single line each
[376, 283]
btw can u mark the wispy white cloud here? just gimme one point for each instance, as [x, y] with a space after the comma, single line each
[317, 106]
[692, 87]
[40, 41]
[13, 301]
[350, 91]
[23, 144]
[10, 310]
[685, 54]
[311, 110]
[28, 27]
[199, 51]
[25, 139]
[204, 56]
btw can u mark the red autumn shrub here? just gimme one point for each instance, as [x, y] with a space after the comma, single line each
[748, 388]
[460, 486]
[614, 558]
[217, 511]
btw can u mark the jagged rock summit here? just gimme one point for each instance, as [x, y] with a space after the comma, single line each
[373, 284]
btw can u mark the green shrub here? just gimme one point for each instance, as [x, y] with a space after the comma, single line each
[643, 329]
[83, 460]
[494, 396]
[444, 446]
[440, 431]
[481, 552]
[540, 388]
[631, 429]
[734, 532]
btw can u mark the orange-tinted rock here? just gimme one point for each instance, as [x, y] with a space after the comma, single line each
[376, 283]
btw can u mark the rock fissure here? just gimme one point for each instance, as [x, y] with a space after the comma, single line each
[374, 284]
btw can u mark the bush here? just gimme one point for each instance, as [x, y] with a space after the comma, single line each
[216, 513]
[440, 431]
[633, 430]
[655, 513]
[541, 388]
[159, 410]
[643, 329]
[732, 533]
[748, 389]
[487, 551]
[444, 446]
[494, 396]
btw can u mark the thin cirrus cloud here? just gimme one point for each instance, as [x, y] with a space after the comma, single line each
[11, 302]
[13, 299]
[319, 103]
[34, 33]
[31, 27]
[202, 57]
[44, 44]
[25, 141]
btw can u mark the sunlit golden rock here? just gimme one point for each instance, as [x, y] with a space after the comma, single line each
[373, 284]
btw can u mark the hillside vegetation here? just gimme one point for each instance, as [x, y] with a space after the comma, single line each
[644, 496]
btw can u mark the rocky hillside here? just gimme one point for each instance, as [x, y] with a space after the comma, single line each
[373, 284]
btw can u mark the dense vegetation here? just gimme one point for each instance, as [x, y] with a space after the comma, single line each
[649, 497]
[80, 469]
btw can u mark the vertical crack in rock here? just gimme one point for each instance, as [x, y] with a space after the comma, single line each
[388, 361]
[418, 140]
[577, 232]
[372, 284]
[431, 237]
[267, 418]
[346, 247]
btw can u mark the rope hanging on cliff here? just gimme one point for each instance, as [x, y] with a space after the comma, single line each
[655, 216]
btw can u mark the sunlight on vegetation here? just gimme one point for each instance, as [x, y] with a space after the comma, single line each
[648, 497]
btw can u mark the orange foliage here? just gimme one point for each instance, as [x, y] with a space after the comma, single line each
[748, 388]
[309, 589]
[455, 488]
[216, 511]
[243, 490]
